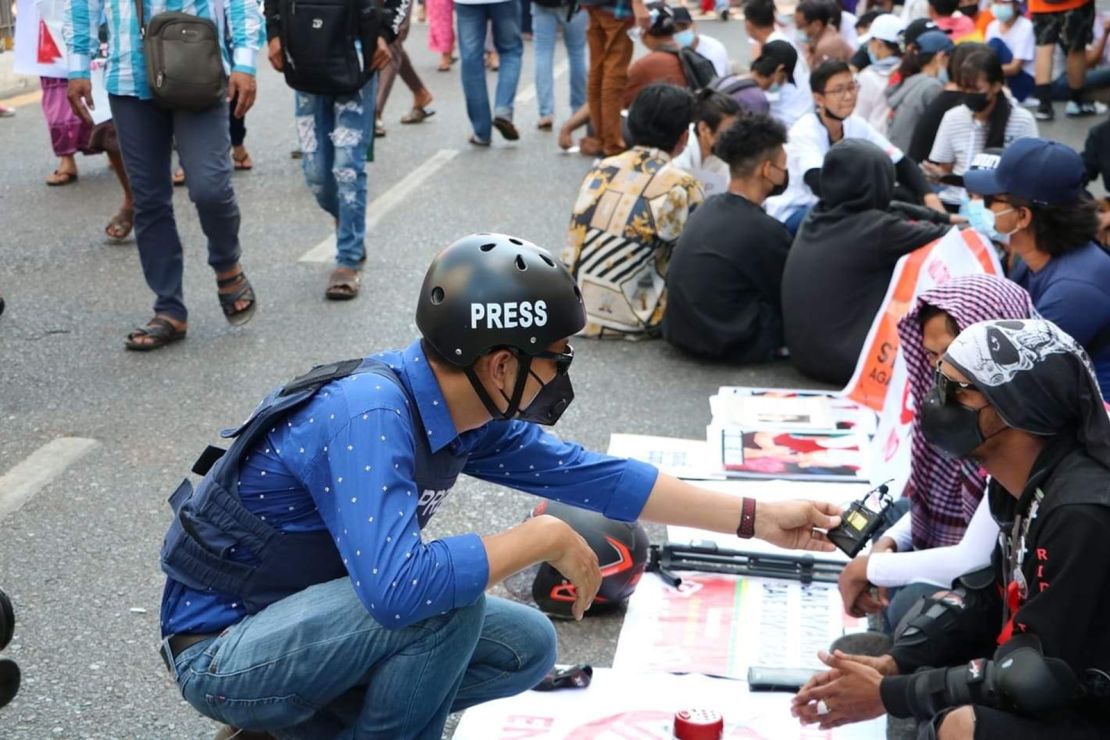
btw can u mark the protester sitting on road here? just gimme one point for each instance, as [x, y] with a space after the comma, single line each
[300, 560]
[713, 113]
[834, 94]
[925, 132]
[1012, 37]
[619, 255]
[860, 59]
[1096, 160]
[885, 50]
[986, 119]
[688, 35]
[920, 82]
[1036, 207]
[724, 280]
[662, 63]
[818, 35]
[1020, 399]
[843, 258]
[947, 530]
[775, 71]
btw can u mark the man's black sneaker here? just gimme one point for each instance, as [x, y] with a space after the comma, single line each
[1044, 112]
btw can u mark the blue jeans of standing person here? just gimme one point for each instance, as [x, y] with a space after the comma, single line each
[547, 22]
[146, 137]
[316, 664]
[504, 16]
[335, 131]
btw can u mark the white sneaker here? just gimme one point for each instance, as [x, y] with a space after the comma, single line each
[1030, 102]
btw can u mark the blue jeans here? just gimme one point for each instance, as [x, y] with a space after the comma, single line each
[793, 222]
[335, 131]
[472, 22]
[547, 22]
[1096, 79]
[316, 664]
[146, 137]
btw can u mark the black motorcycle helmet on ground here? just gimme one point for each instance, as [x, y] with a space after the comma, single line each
[491, 291]
[622, 552]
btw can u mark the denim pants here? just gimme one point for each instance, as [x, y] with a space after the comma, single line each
[335, 131]
[317, 665]
[472, 21]
[146, 137]
[547, 22]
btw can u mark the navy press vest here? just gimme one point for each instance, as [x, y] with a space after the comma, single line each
[211, 520]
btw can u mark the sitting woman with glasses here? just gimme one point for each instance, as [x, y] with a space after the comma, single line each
[1035, 206]
[835, 92]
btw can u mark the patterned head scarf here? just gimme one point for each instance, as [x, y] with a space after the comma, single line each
[945, 492]
[1037, 378]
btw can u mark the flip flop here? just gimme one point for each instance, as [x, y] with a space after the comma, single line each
[160, 331]
[244, 163]
[61, 179]
[122, 223]
[343, 285]
[244, 292]
[418, 114]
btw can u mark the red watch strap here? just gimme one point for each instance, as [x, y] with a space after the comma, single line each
[746, 530]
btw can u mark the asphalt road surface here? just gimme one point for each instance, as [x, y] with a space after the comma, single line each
[80, 557]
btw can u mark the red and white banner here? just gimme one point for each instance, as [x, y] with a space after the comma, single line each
[956, 253]
[880, 381]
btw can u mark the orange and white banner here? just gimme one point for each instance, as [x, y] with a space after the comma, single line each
[956, 253]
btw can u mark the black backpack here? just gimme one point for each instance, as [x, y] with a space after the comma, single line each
[699, 71]
[318, 40]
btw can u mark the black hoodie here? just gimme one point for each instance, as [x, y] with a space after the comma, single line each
[842, 260]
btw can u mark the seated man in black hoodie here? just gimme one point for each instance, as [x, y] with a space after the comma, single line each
[843, 258]
[726, 271]
[1020, 399]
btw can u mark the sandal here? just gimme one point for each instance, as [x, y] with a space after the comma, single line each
[476, 141]
[243, 293]
[343, 285]
[160, 333]
[244, 162]
[418, 114]
[60, 178]
[120, 225]
[379, 129]
[178, 177]
[506, 128]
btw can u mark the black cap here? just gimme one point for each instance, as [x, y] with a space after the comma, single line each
[681, 15]
[775, 54]
[918, 27]
[662, 20]
[491, 290]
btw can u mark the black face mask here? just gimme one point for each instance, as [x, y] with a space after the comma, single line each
[949, 426]
[780, 188]
[977, 102]
[550, 403]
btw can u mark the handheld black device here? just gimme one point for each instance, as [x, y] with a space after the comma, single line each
[859, 521]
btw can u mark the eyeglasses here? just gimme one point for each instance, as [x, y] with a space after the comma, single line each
[842, 92]
[949, 387]
[562, 359]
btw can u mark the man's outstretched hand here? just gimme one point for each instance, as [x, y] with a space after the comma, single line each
[792, 524]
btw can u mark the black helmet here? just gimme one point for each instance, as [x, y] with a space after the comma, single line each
[621, 548]
[492, 290]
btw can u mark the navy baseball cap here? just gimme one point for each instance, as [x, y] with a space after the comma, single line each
[932, 42]
[1037, 170]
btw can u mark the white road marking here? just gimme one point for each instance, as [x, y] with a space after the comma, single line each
[30, 476]
[528, 94]
[325, 250]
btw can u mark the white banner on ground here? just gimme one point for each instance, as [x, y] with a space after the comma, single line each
[39, 45]
[721, 625]
[619, 705]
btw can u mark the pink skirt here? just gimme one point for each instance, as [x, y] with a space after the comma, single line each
[441, 25]
[68, 133]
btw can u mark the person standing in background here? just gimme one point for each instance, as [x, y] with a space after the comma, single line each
[607, 34]
[503, 17]
[400, 64]
[548, 18]
[441, 32]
